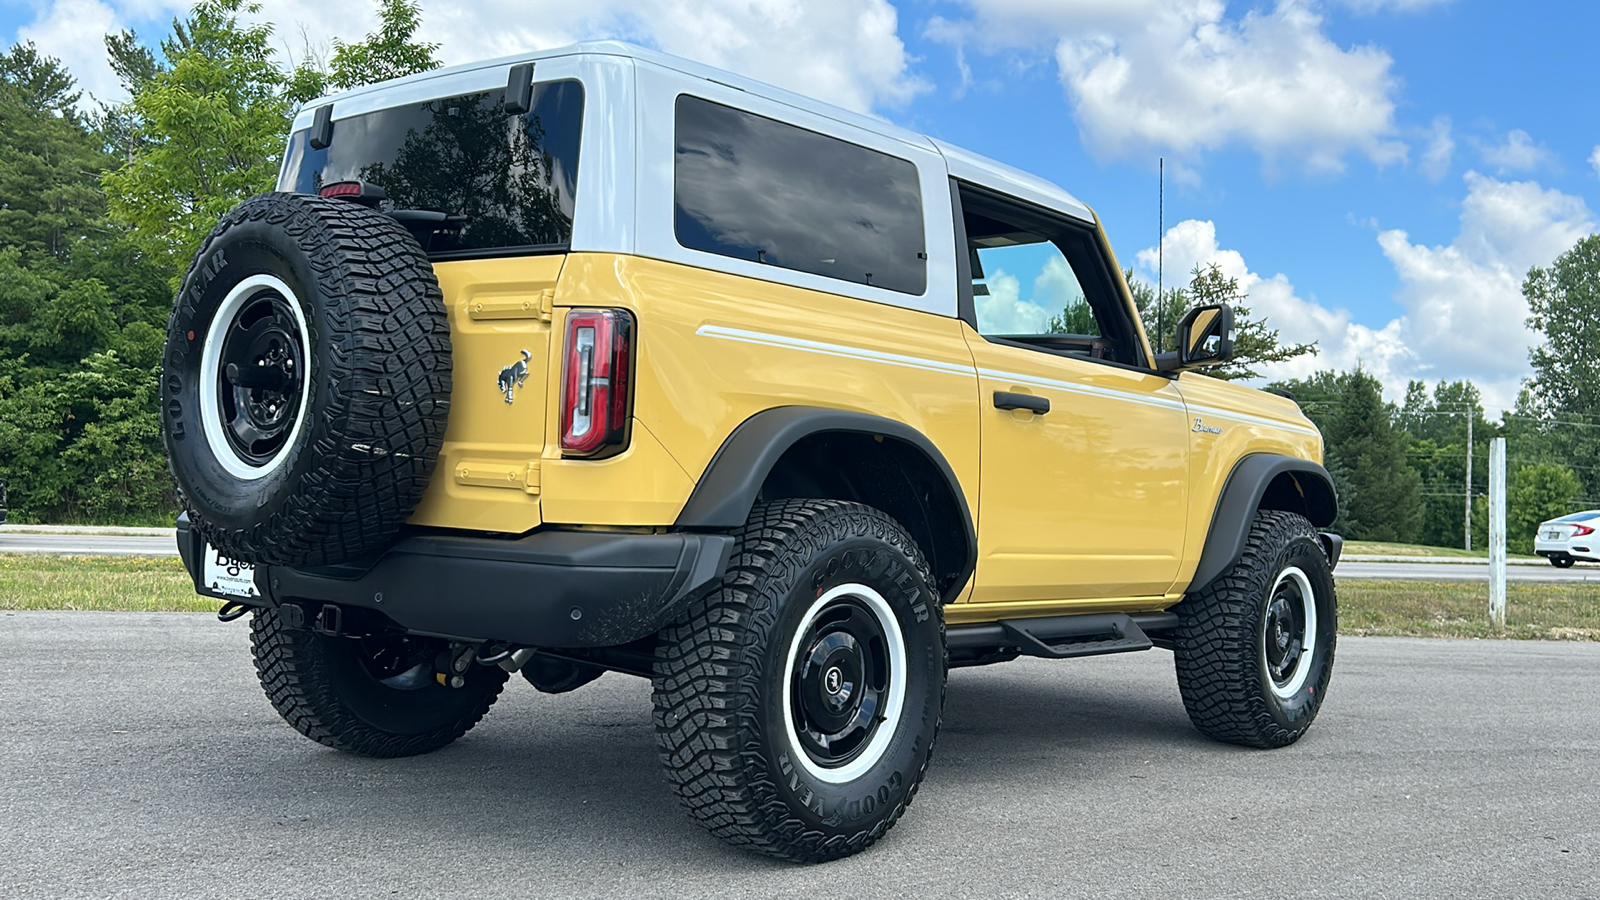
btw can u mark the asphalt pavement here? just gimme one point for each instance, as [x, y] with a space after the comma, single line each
[138, 758]
[80, 544]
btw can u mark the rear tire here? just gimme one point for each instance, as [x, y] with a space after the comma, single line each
[1254, 648]
[367, 696]
[1562, 562]
[797, 706]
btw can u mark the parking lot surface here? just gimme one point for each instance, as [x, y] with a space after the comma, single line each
[138, 758]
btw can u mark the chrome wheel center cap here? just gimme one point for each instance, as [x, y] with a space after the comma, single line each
[833, 680]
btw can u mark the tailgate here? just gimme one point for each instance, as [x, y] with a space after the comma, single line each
[488, 473]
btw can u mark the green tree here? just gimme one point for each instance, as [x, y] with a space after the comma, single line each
[1564, 302]
[1437, 422]
[1536, 493]
[50, 159]
[1380, 493]
[206, 128]
[1254, 343]
[389, 52]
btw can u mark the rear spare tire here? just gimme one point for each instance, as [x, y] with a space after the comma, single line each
[306, 381]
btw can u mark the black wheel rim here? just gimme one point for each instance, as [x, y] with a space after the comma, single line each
[839, 683]
[260, 377]
[1285, 630]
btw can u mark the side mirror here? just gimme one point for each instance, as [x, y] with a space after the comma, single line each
[1205, 338]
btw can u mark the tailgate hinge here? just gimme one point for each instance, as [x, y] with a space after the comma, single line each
[547, 301]
[514, 476]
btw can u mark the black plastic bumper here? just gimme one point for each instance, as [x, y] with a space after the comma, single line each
[550, 589]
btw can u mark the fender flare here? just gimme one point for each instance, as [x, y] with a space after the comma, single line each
[727, 490]
[1242, 495]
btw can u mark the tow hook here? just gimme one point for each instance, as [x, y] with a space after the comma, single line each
[452, 665]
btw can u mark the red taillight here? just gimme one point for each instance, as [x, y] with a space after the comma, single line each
[341, 189]
[594, 381]
[1581, 530]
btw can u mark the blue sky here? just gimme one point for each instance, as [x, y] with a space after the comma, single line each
[1379, 173]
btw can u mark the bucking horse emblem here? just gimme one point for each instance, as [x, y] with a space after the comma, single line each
[512, 376]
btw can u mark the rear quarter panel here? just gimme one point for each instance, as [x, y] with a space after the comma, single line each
[715, 349]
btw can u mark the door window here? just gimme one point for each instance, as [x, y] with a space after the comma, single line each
[1042, 283]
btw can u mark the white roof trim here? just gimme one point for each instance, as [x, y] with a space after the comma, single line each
[962, 164]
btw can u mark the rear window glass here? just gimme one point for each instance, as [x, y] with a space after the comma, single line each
[505, 182]
[754, 188]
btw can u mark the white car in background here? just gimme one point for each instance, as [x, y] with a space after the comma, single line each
[1568, 539]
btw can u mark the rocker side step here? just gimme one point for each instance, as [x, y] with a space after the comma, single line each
[1063, 637]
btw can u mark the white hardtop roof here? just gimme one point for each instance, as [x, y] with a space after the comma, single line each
[963, 164]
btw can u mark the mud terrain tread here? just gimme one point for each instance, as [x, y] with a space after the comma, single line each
[701, 660]
[1216, 657]
[297, 683]
[384, 424]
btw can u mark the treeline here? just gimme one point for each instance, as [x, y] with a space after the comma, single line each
[1401, 469]
[101, 209]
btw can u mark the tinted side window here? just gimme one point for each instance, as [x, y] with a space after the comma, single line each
[755, 188]
[510, 180]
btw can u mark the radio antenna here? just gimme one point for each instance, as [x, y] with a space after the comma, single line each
[1161, 240]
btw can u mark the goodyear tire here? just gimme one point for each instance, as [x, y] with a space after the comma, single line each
[306, 381]
[374, 695]
[1254, 649]
[797, 706]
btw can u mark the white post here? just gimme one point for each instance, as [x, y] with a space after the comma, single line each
[1497, 532]
[1467, 520]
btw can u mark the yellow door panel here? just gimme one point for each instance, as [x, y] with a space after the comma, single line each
[488, 477]
[1088, 500]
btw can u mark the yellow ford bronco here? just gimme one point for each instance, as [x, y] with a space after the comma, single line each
[597, 360]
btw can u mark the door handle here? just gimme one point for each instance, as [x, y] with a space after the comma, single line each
[1010, 400]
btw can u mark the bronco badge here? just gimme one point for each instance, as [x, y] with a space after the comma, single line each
[512, 376]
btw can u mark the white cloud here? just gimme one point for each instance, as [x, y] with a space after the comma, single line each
[846, 52]
[1518, 154]
[60, 30]
[1341, 342]
[1465, 311]
[1441, 148]
[1464, 314]
[1594, 159]
[1183, 77]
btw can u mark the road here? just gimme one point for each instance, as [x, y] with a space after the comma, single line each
[1464, 571]
[78, 544]
[140, 759]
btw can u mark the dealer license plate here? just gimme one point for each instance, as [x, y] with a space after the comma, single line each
[1552, 535]
[226, 576]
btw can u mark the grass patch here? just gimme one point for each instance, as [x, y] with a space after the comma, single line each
[1460, 609]
[120, 583]
[1379, 548]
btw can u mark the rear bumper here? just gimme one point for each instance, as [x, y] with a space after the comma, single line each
[550, 589]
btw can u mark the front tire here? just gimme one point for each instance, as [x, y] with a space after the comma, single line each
[1254, 648]
[371, 696]
[797, 706]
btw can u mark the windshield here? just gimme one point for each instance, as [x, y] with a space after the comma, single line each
[506, 182]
